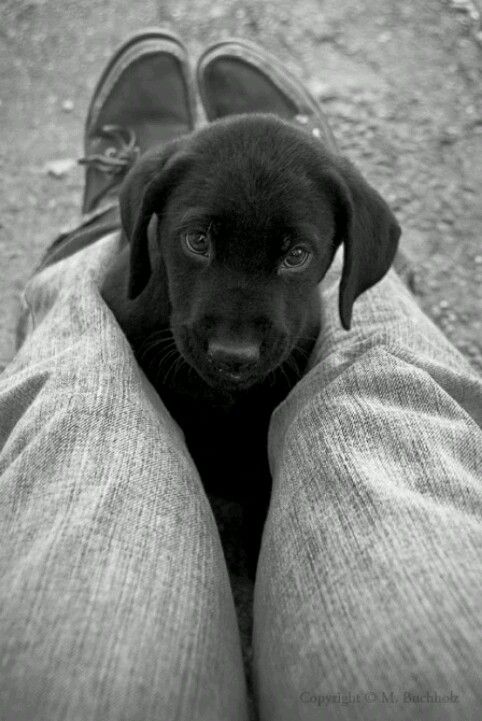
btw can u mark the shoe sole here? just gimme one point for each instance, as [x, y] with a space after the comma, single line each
[287, 83]
[147, 41]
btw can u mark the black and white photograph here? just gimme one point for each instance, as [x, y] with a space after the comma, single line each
[240, 360]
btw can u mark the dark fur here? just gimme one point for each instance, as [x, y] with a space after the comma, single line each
[256, 181]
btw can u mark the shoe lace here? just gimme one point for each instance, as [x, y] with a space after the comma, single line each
[117, 158]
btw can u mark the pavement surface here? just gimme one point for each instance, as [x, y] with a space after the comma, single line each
[400, 83]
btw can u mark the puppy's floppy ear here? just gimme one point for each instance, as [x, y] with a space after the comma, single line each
[143, 193]
[369, 231]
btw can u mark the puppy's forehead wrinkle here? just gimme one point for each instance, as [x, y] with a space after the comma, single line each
[250, 194]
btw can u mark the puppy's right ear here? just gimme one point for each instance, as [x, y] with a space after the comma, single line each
[144, 192]
[368, 229]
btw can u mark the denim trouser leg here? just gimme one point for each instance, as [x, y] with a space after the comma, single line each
[114, 596]
[368, 595]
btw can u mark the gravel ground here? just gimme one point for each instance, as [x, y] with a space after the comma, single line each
[400, 83]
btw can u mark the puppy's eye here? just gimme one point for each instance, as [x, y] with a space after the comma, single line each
[197, 243]
[297, 257]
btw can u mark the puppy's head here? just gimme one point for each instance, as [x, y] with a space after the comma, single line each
[250, 211]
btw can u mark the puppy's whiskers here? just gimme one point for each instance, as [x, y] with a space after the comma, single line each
[173, 363]
[292, 363]
[179, 363]
[160, 339]
[285, 376]
[302, 351]
[280, 371]
[173, 353]
[151, 354]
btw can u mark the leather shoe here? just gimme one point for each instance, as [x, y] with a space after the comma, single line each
[143, 98]
[236, 76]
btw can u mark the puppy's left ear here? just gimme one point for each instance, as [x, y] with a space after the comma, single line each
[144, 192]
[370, 234]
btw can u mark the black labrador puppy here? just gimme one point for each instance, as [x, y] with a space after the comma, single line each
[228, 232]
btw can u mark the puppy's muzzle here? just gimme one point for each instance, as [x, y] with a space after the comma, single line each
[233, 359]
[231, 352]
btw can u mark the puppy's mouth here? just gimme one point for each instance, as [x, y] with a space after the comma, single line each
[232, 379]
[233, 376]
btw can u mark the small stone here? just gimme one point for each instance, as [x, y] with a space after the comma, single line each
[67, 106]
[385, 37]
[59, 168]
[323, 91]
[448, 136]
[324, 36]
[417, 283]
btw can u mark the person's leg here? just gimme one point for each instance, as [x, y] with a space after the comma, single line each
[369, 575]
[115, 600]
[367, 596]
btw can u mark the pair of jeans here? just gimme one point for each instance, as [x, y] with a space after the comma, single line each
[115, 602]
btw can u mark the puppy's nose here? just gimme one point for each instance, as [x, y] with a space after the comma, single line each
[233, 356]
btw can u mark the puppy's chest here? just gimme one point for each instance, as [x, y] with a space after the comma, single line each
[228, 444]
